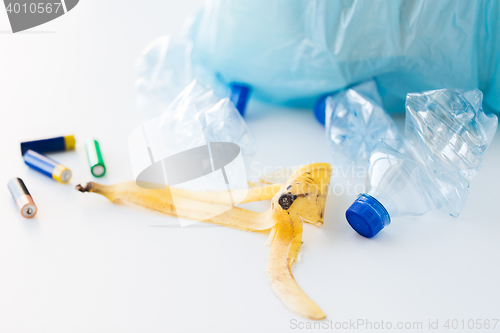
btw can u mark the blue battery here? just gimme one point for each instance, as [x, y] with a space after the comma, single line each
[47, 145]
[47, 166]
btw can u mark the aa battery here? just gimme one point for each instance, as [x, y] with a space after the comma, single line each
[22, 197]
[47, 166]
[48, 145]
[94, 157]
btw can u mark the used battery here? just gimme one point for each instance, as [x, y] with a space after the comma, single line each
[47, 145]
[94, 157]
[47, 166]
[22, 197]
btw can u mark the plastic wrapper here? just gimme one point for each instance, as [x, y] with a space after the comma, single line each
[292, 53]
[355, 122]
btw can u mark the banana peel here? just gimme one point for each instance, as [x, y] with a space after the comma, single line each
[301, 199]
[220, 197]
[161, 200]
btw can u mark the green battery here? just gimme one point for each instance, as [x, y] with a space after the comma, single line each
[94, 157]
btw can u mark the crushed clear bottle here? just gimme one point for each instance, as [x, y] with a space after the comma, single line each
[355, 123]
[446, 135]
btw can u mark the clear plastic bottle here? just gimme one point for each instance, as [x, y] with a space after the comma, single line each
[355, 122]
[446, 135]
[396, 185]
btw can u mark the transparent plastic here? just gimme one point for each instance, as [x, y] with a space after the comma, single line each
[356, 123]
[447, 133]
[398, 182]
[194, 118]
[199, 143]
[163, 70]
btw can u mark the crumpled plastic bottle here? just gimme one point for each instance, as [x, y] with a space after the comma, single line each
[194, 118]
[200, 142]
[355, 123]
[447, 133]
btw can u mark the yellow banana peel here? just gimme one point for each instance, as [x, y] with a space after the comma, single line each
[301, 199]
[220, 197]
[161, 200]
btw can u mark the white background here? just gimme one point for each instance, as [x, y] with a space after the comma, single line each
[87, 265]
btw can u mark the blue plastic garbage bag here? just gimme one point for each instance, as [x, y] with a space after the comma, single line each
[293, 52]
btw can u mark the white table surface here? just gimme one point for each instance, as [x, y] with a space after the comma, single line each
[86, 265]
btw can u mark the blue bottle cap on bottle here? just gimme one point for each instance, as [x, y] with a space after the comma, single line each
[240, 93]
[320, 109]
[367, 216]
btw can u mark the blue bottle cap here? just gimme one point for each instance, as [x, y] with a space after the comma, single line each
[240, 93]
[367, 216]
[320, 109]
